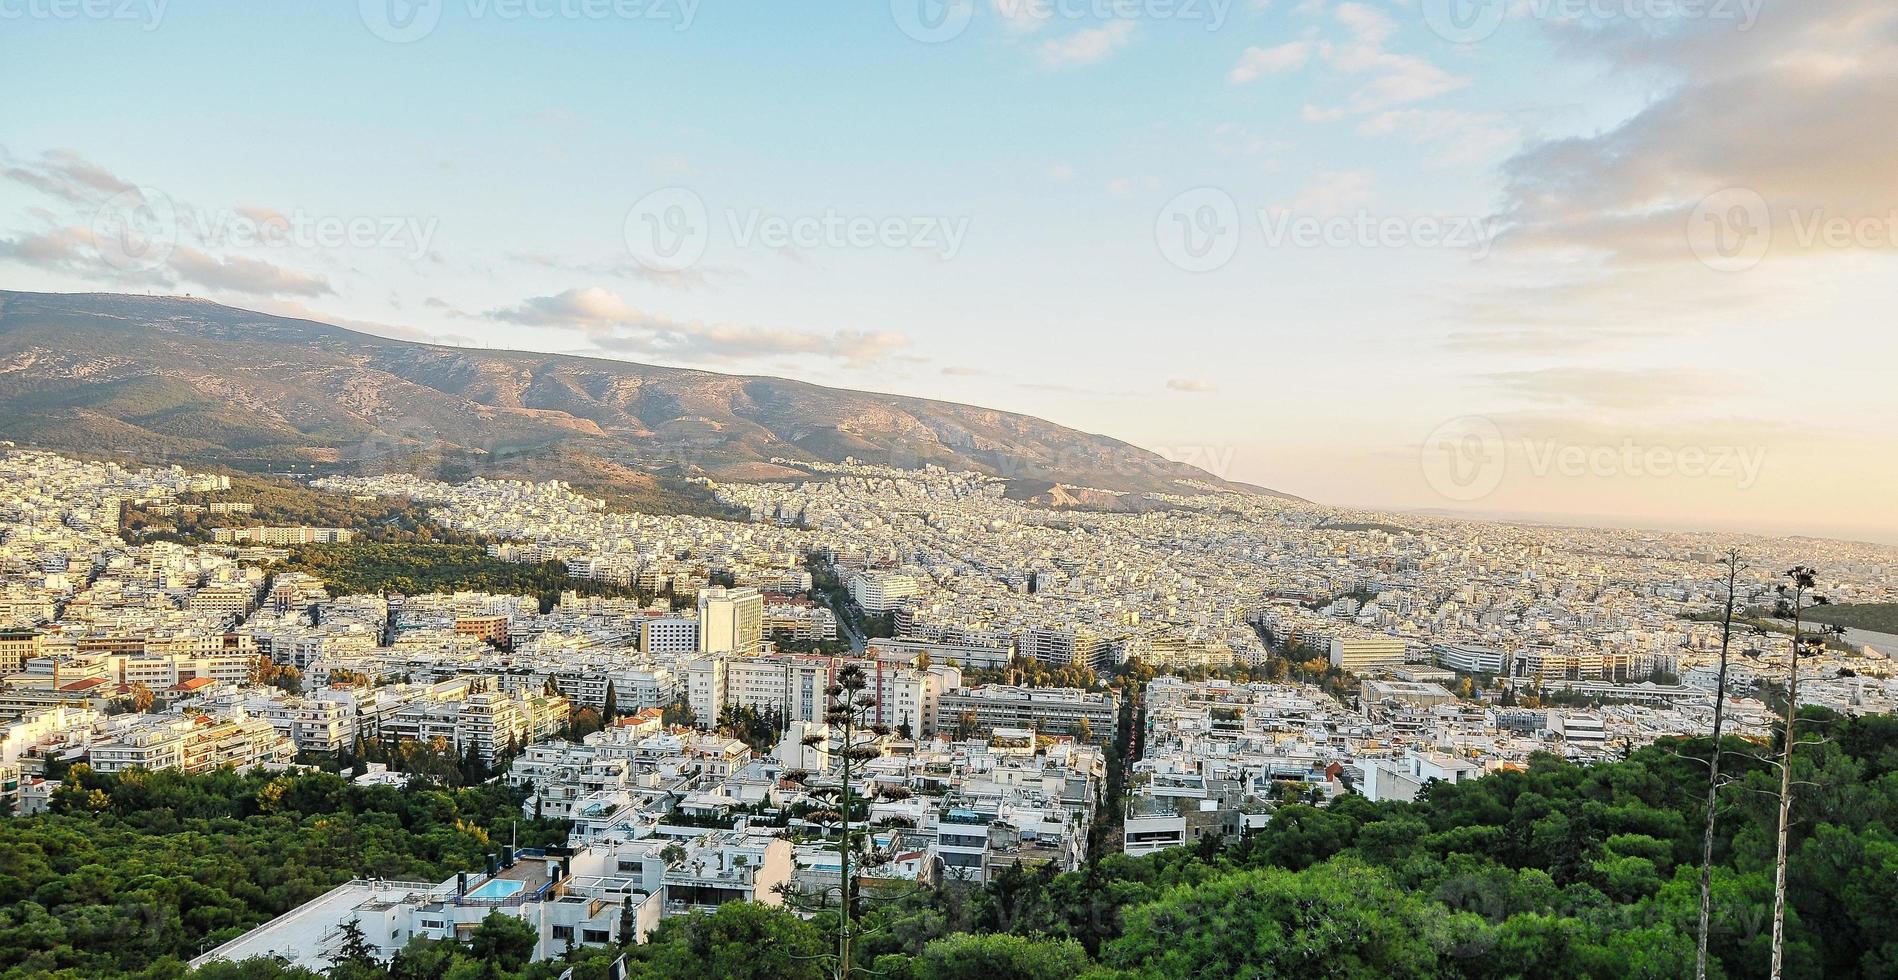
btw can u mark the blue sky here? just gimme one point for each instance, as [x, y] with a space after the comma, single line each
[1574, 143]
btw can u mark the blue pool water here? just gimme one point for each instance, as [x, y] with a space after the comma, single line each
[497, 889]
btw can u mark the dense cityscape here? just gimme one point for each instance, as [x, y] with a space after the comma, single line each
[1037, 687]
[948, 490]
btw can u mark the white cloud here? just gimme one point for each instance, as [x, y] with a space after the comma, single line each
[66, 175]
[614, 325]
[1193, 385]
[1785, 114]
[1087, 46]
[1454, 137]
[592, 307]
[251, 277]
[1368, 24]
[1275, 60]
[1335, 191]
[1389, 78]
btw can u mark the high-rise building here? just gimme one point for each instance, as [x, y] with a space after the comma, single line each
[731, 620]
[881, 592]
[669, 635]
[1359, 652]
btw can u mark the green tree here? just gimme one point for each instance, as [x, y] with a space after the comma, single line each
[504, 940]
[1000, 957]
[354, 947]
[1340, 919]
[739, 941]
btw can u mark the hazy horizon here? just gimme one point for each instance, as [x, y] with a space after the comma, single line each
[1620, 262]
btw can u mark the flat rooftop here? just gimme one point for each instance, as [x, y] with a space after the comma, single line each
[297, 935]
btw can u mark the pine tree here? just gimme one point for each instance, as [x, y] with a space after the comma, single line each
[628, 925]
[1732, 563]
[354, 946]
[1792, 604]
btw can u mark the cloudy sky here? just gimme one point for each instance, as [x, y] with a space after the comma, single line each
[1611, 260]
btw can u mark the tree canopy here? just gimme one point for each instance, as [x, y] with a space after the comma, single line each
[1551, 870]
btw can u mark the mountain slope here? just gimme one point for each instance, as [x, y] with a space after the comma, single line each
[189, 380]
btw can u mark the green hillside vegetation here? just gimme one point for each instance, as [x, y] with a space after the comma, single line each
[284, 503]
[415, 569]
[134, 874]
[1879, 617]
[1558, 870]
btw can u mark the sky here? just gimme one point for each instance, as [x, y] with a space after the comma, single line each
[1604, 261]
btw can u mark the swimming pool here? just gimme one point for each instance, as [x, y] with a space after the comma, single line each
[496, 889]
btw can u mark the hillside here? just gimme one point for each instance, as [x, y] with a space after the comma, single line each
[187, 380]
[1878, 617]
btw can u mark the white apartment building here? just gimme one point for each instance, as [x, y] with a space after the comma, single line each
[1065, 646]
[669, 635]
[731, 620]
[881, 592]
[197, 743]
[575, 899]
[705, 679]
[487, 723]
[970, 654]
[1402, 779]
[1470, 659]
[1044, 709]
[799, 621]
[1361, 652]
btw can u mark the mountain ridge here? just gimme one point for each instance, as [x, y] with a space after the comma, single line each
[186, 379]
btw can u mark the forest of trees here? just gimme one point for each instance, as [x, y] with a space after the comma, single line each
[414, 569]
[135, 873]
[279, 502]
[1555, 870]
